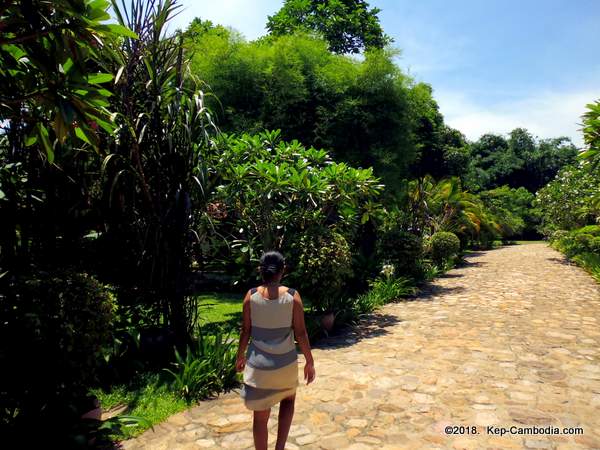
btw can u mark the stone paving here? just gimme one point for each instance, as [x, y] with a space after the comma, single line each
[510, 339]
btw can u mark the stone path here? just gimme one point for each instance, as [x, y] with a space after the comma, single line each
[510, 339]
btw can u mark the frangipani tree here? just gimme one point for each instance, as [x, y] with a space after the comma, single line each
[277, 191]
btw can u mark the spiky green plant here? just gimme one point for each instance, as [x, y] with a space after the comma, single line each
[154, 175]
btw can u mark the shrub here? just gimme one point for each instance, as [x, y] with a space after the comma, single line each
[569, 201]
[383, 290]
[596, 245]
[590, 262]
[444, 245]
[593, 230]
[275, 192]
[58, 324]
[584, 243]
[558, 235]
[322, 262]
[401, 249]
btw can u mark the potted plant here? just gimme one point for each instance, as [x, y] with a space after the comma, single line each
[327, 321]
[327, 312]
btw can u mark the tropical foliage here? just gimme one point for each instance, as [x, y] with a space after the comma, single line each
[591, 132]
[569, 206]
[281, 195]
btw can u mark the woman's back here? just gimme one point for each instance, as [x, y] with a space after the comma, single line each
[271, 371]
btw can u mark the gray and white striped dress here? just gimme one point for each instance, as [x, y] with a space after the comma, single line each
[271, 372]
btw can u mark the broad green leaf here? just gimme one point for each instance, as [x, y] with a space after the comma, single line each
[67, 66]
[120, 30]
[106, 126]
[30, 140]
[82, 135]
[97, 78]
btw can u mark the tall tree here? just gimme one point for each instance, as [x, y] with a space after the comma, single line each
[520, 160]
[358, 110]
[348, 25]
[441, 150]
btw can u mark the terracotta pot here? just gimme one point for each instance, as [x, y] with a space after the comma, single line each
[95, 413]
[327, 321]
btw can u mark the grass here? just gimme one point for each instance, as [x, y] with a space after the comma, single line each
[146, 396]
[223, 309]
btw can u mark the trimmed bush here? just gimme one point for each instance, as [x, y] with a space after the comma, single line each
[444, 245]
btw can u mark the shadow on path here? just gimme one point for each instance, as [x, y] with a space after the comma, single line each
[433, 290]
[562, 260]
[372, 325]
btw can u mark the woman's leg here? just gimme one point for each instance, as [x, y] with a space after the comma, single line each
[259, 428]
[286, 413]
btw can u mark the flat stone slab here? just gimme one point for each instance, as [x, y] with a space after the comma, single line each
[510, 339]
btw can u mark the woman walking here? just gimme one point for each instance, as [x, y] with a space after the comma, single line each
[272, 315]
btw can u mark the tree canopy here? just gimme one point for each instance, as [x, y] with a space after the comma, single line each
[360, 111]
[349, 26]
[519, 160]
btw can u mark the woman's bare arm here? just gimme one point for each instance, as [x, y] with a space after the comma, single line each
[302, 337]
[244, 333]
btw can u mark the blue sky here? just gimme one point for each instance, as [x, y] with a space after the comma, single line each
[494, 65]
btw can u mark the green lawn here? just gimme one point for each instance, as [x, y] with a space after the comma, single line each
[146, 396]
[224, 309]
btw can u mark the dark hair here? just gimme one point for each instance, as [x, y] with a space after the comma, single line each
[271, 264]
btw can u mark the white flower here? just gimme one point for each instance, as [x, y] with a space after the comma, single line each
[388, 270]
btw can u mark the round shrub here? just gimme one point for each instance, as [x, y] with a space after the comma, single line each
[400, 248]
[444, 245]
[321, 262]
[58, 324]
[584, 243]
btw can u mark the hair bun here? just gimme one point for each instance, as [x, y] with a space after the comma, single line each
[271, 263]
[270, 268]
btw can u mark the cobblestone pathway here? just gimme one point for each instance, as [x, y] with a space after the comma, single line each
[512, 338]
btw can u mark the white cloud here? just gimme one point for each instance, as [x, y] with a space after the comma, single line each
[544, 114]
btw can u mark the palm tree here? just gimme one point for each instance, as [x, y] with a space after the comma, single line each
[445, 206]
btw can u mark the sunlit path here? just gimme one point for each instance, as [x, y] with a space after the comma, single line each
[509, 339]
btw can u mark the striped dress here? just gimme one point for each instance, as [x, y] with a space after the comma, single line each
[271, 371]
